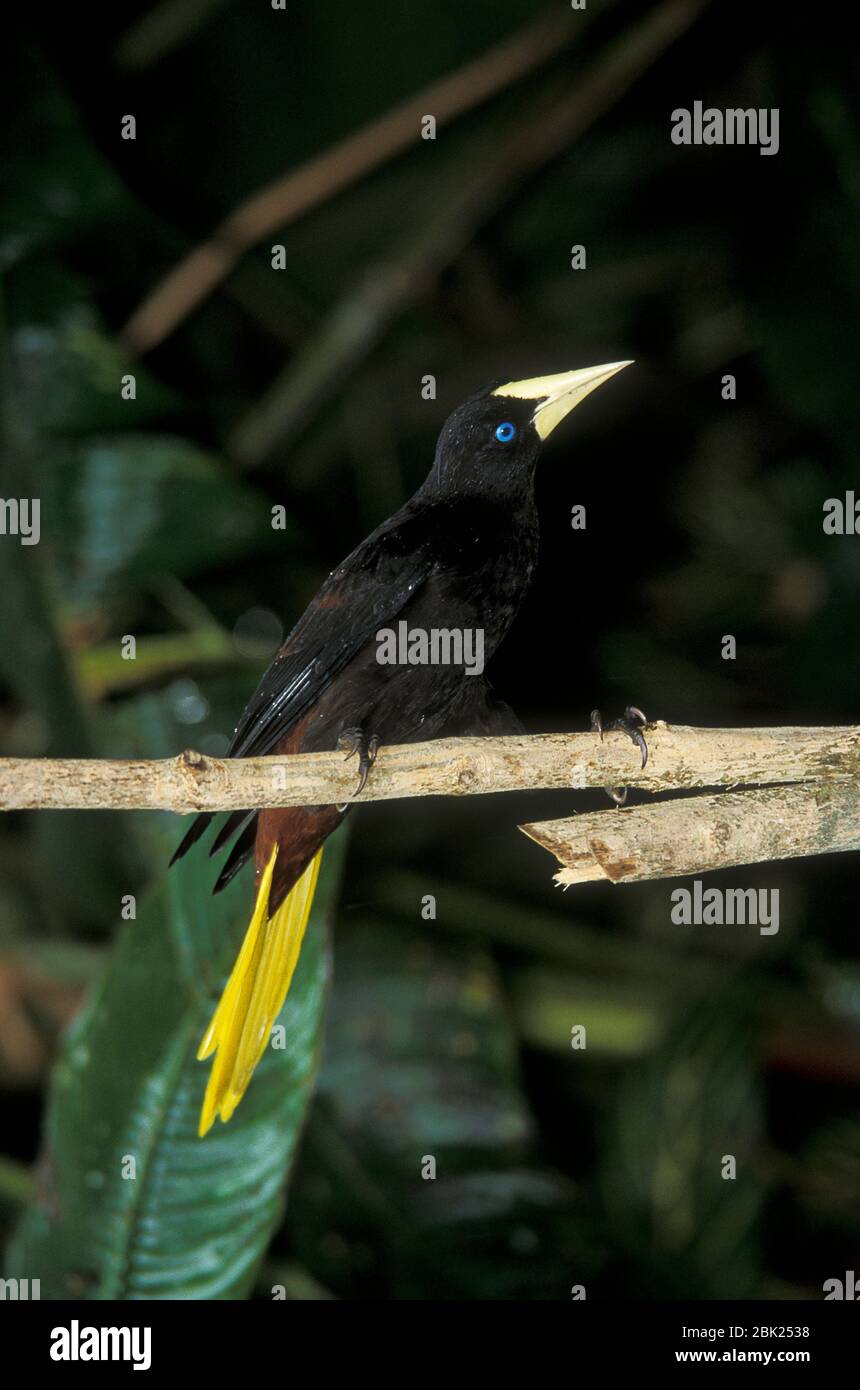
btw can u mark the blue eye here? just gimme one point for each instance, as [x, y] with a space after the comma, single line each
[505, 432]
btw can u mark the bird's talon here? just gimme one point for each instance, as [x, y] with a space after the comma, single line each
[350, 742]
[355, 741]
[632, 722]
[363, 770]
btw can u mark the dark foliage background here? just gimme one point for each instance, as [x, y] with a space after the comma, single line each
[452, 1038]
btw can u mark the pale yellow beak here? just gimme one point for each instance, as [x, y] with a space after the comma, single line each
[558, 395]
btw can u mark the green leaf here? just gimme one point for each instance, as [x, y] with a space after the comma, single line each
[58, 183]
[195, 1219]
[683, 1222]
[830, 1176]
[68, 375]
[421, 1072]
[128, 509]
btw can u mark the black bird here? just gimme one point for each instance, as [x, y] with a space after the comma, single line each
[456, 559]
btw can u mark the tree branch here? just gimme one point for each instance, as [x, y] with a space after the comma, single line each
[679, 758]
[806, 796]
[695, 834]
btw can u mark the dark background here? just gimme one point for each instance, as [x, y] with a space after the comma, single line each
[704, 517]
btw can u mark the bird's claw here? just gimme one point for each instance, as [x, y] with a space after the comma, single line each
[632, 722]
[353, 741]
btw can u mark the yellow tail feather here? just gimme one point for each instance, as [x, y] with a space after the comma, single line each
[255, 992]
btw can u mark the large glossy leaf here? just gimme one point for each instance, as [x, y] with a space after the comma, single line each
[421, 1177]
[131, 1203]
[68, 372]
[58, 183]
[84, 852]
[683, 1220]
[132, 508]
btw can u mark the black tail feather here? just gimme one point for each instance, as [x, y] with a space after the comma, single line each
[234, 822]
[239, 855]
[198, 827]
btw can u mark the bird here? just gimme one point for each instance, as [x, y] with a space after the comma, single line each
[457, 557]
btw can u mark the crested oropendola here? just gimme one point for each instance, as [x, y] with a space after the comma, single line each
[458, 556]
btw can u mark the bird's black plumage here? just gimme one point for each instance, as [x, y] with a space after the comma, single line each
[459, 555]
[457, 559]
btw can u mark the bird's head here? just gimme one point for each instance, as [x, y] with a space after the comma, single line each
[497, 435]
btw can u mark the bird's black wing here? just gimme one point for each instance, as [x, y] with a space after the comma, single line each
[367, 591]
[364, 593]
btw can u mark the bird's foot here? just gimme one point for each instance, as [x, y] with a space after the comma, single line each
[632, 722]
[355, 741]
